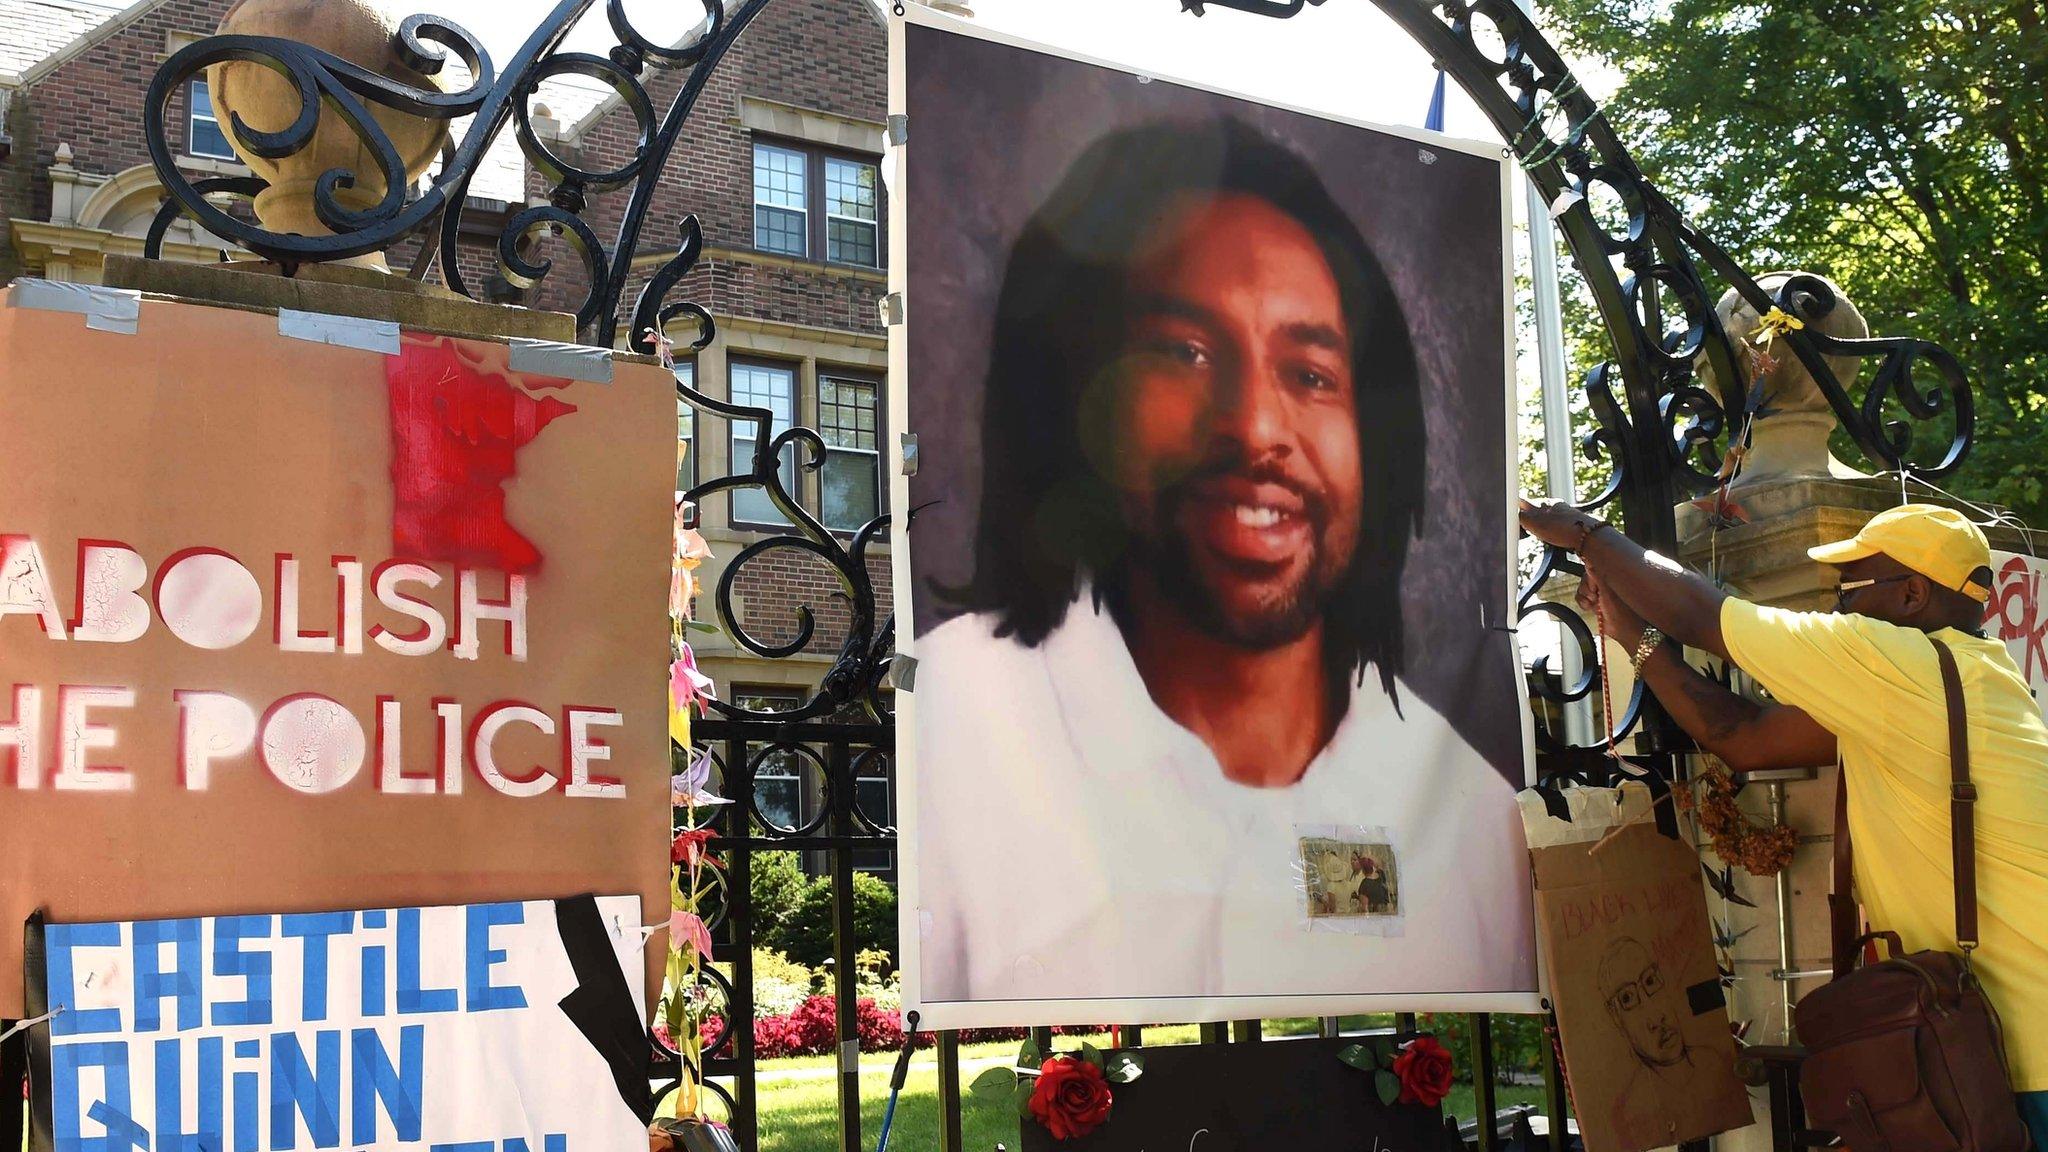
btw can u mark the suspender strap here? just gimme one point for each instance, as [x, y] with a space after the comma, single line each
[1962, 801]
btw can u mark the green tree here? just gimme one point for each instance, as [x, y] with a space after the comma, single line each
[1897, 146]
[775, 886]
[807, 935]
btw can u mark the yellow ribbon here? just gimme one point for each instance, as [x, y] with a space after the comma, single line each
[1775, 323]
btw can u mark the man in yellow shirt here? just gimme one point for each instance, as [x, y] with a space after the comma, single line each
[1863, 683]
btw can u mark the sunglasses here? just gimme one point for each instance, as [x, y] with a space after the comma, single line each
[1843, 589]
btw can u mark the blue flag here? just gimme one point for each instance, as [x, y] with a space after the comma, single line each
[1434, 118]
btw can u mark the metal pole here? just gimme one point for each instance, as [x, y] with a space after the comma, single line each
[1482, 1080]
[739, 778]
[1784, 882]
[845, 948]
[1556, 404]
[950, 1139]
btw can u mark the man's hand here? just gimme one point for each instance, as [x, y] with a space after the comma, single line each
[1557, 524]
[1612, 616]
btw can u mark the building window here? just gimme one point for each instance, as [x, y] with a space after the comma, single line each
[778, 776]
[686, 429]
[205, 137]
[852, 212]
[781, 215]
[808, 202]
[849, 420]
[875, 796]
[773, 387]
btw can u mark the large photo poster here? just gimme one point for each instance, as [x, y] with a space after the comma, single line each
[1216, 711]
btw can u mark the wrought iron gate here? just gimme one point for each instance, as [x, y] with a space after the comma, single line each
[1660, 431]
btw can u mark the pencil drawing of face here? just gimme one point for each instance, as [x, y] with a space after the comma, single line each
[1642, 1003]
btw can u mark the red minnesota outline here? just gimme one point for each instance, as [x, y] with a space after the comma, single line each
[456, 432]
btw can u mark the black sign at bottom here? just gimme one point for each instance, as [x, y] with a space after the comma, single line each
[1275, 1096]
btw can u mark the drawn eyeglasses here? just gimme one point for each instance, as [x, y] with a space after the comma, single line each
[1635, 993]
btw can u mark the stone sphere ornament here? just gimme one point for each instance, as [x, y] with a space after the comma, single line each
[1790, 438]
[361, 32]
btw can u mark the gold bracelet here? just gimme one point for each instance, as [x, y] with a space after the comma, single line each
[1645, 648]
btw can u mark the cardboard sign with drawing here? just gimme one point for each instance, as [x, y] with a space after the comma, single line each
[1630, 963]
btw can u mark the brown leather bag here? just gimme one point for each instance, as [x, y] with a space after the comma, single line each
[1905, 1054]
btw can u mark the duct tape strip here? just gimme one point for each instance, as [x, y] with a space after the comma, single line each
[340, 331]
[903, 672]
[849, 1058]
[104, 309]
[586, 362]
[910, 453]
[892, 309]
[899, 129]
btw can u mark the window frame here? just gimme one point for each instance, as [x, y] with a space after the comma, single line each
[825, 160]
[878, 385]
[817, 219]
[752, 696]
[686, 472]
[192, 119]
[754, 195]
[794, 479]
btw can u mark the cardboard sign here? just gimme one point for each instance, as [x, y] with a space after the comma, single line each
[290, 625]
[1253, 1098]
[487, 1027]
[2018, 615]
[1630, 961]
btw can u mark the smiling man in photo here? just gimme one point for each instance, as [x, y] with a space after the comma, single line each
[1179, 658]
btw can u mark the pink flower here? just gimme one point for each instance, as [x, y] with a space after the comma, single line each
[689, 928]
[686, 685]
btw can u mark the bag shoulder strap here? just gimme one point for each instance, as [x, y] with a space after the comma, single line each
[1841, 904]
[1962, 800]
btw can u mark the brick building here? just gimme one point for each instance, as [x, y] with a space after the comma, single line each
[780, 161]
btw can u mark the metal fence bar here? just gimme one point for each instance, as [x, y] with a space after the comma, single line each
[1556, 1101]
[1247, 1031]
[1218, 1033]
[950, 1139]
[1330, 1027]
[1482, 1080]
[13, 1070]
[839, 794]
[739, 777]
[1132, 1036]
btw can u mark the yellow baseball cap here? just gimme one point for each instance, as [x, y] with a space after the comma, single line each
[1939, 543]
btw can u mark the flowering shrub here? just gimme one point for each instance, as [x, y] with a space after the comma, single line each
[781, 985]
[812, 1030]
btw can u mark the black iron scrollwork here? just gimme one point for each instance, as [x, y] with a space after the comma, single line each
[496, 101]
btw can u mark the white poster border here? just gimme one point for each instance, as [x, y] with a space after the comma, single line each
[1007, 1013]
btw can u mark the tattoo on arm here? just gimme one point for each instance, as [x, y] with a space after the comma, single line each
[1721, 713]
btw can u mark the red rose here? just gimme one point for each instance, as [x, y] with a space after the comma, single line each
[1071, 1098]
[1424, 1068]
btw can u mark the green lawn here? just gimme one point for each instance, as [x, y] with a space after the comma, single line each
[799, 1103]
